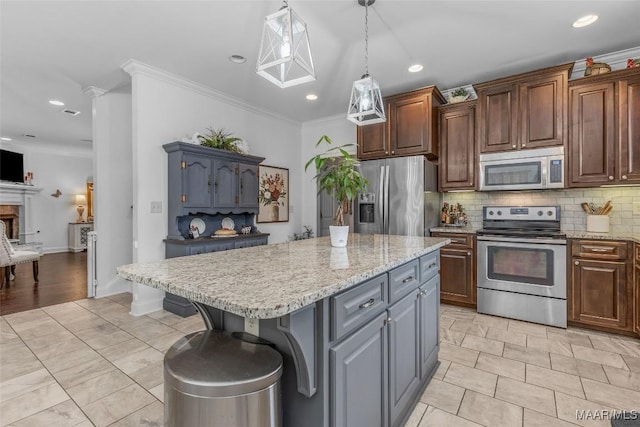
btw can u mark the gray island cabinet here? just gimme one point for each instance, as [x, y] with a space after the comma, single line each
[357, 326]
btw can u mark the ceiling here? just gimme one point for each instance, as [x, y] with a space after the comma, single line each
[54, 49]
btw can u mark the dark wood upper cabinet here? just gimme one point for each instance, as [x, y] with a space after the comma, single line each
[410, 129]
[604, 135]
[373, 142]
[457, 162]
[629, 148]
[524, 111]
[592, 137]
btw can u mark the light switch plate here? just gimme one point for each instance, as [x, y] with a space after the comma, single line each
[252, 326]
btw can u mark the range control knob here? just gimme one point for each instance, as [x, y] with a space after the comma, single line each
[490, 212]
[539, 213]
[549, 213]
[499, 212]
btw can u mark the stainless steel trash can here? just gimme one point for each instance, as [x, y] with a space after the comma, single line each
[214, 379]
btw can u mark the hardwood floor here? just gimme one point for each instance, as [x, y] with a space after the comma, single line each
[63, 278]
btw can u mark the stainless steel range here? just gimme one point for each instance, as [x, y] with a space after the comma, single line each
[522, 265]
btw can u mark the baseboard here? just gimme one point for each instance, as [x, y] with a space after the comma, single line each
[55, 250]
[115, 286]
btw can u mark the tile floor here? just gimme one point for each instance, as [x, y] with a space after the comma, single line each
[91, 363]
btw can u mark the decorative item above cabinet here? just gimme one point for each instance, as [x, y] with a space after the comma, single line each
[411, 127]
[528, 110]
[209, 180]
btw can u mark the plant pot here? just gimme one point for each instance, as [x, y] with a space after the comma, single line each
[459, 98]
[339, 235]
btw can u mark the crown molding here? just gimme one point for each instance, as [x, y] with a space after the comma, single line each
[327, 119]
[617, 61]
[134, 67]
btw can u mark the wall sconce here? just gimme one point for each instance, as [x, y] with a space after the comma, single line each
[57, 193]
[80, 200]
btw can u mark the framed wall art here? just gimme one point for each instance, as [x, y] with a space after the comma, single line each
[273, 194]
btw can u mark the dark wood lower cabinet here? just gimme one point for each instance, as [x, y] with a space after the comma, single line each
[601, 290]
[636, 292]
[458, 270]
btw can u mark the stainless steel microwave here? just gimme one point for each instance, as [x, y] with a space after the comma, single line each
[522, 170]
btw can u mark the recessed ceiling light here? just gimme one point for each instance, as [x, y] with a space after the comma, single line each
[56, 102]
[312, 97]
[584, 21]
[415, 68]
[237, 59]
[4, 138]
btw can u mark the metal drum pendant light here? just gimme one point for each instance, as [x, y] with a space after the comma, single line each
[285, 54]
[365, 105]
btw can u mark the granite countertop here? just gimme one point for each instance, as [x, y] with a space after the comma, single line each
[633, 237]
[468, 229]
[270, 281]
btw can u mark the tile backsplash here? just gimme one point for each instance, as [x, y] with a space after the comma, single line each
[624, 218]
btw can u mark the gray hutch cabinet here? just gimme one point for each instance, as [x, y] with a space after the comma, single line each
[209, 184]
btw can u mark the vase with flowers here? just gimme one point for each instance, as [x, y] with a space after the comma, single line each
[336, 173]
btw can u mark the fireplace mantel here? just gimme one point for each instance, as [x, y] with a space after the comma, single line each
[21, 195]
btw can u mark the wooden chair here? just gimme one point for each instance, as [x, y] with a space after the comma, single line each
[9, 258]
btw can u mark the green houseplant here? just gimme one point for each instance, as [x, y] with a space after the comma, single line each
[336, 174]
[458, 95]
[220, 138]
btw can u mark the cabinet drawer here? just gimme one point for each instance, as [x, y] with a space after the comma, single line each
[457, 239]
[354, 307]
[599, 249]
[429, 265]
[403, 280]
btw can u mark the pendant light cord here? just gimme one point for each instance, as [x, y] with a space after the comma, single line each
[366, 37]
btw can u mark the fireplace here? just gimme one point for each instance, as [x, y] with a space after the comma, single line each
[16, 211]
[10, 215]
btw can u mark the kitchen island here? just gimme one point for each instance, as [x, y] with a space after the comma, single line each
[357, 326]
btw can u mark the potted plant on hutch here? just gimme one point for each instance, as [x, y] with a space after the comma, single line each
[336, 174]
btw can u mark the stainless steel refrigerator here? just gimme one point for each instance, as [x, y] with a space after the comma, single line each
[401, 197]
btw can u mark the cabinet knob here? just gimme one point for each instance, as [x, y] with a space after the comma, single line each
[624, 177]
[393, 152]
[386, 152]
[513, 146]
[576, 263]
[388, 320]
[469, 253]
[524, 144]
[610, 178]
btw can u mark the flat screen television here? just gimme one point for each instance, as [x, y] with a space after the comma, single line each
[11, 166]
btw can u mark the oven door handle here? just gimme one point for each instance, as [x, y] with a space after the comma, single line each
[493, 238]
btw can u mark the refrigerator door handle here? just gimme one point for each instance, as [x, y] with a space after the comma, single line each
[386, 200]
[381, 199]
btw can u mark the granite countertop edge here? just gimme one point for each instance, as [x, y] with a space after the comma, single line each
[461, 230]
[634, 237]
[270, 311]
